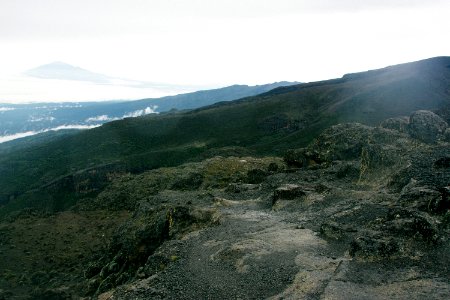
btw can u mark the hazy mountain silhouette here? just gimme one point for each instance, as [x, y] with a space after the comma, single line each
[64, 71]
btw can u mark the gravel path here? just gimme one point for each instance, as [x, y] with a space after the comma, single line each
[252, 254]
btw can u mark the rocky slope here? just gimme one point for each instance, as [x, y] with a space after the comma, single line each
[360, 213]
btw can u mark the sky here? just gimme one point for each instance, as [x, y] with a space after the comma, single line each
[209, 43]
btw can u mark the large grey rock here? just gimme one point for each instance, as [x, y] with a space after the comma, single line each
[426, 126]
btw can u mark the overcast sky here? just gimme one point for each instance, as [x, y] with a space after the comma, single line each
[221, 42]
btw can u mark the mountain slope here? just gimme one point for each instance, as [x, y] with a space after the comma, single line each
[203, 98]
[266, 124]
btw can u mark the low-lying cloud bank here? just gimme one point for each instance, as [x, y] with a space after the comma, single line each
[102, 118]
[141, 112]
[2, 109]
[7, 138]
[97, 120]
[137, 113]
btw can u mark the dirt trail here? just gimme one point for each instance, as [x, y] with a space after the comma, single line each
[252, 254]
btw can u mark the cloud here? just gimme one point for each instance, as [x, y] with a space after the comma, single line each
[81, 127]
[2, 109]
[25, 89]
[7, 138]
[134, 114]
[102, 118]
[37, 119]
[141, 112]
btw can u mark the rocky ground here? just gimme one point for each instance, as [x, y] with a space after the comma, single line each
[362, 213]
[45, 256]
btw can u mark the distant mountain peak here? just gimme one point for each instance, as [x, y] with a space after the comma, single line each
[56, 65]
[64, 71]
[59, 63]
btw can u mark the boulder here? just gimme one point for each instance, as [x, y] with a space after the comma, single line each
[302, 157]
[400, 124]
[342, 142]
[410, 223]
[426, 126]
[420, 197]
[373, 244]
